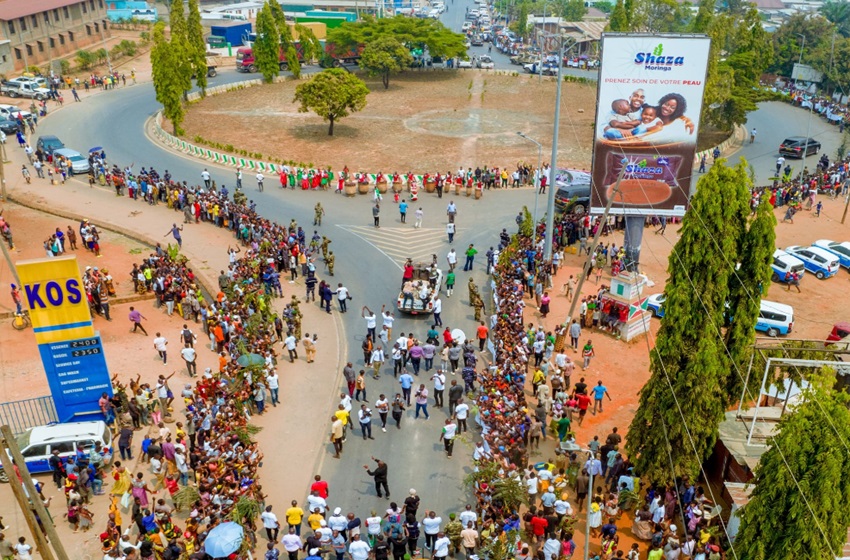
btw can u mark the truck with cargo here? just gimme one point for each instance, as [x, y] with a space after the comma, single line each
[245, 61]
[24, 89]
[336, 56]
[232, 32]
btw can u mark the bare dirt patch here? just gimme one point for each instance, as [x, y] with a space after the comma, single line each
[426, 121]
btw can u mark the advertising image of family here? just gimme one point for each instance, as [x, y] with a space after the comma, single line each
[647, 119]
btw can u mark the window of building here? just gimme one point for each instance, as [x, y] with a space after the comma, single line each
[18, 54]
[4, 58]
[11, 25]
[56, 14]
[96, 27]
[34, 20]
[71, 36]
[47, 18]
[29, 50]
[66, 12]
[23, 22]
[61, 39]
[100, 2]
[52, 42]
[88, 30]
[83, 4]
[40, 46]
[91, 5]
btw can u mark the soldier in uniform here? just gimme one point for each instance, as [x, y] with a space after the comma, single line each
[479, 307]
[325, 243]
[317, 219]
[453, 529]
[329, 262]
[473, 291]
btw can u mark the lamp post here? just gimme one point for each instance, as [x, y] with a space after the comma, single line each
[537, 173]
[550, 203]
[811, 109]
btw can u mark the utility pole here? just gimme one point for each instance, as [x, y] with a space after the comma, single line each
[550, 204]
[593, 243]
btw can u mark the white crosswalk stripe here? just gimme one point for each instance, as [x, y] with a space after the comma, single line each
[402, 243]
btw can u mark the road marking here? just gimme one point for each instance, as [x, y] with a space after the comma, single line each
[402, 243]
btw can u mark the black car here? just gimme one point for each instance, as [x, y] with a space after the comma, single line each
[796, 145]
[8, 127]
[49, 143]
[477, 41]
[573, 194]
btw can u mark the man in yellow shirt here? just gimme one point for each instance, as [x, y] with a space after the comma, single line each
[315, 520]
[294, 515]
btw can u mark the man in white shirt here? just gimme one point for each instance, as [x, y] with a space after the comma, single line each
[273, 381]
[438, 308]
[447, 436]
[291, 544]
[431, 527]
[260, 180]
[358, 549]
[342, 295]
[188, 354]
[468, 516]
[337, 521]
[290, 342]
[439, 387]
[532, 484]
[373, 527]
[441, 546]
[371, 321]
[461, 414]
[160, 344]
[315, 502]
[364, 415]
[419, 213]
[451, 258]
[389, 318]
[205, 175]
[270, 524]
[562, 508]
[378, 358]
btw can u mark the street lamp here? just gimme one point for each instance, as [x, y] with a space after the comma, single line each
[537, 175]
[811, 109]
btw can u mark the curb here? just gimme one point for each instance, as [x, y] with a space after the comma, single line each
[727, 147]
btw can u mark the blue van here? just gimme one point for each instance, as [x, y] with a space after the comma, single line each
[819, 262]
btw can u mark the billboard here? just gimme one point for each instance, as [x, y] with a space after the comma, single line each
[71, 351]
[647, 120]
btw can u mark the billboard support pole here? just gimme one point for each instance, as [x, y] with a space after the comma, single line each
[593, 243]
[550, 203]
[632, 241]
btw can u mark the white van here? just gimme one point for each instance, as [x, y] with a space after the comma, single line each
[38, 444]
[775, 318]
[784, 263]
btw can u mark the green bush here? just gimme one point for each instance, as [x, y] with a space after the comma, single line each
[85, 59]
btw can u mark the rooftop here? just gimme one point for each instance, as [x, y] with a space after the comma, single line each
[14, 9]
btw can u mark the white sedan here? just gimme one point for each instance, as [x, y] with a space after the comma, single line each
[485, 62]
[464, 63]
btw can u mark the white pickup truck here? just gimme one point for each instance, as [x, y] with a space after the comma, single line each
[16, 89]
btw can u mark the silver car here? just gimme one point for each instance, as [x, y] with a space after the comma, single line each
[77, 162]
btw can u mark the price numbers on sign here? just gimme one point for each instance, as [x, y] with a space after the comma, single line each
[84, 342]
[85, 352]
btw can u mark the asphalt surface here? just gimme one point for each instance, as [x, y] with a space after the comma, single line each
[774, 121]
[368, 263]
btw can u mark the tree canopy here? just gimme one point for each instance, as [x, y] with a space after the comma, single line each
[196, 45]
[267, 46]
[166, 81]
[798, 506]
[410, 32]
[683, 402]
[332, 94]
[384, 56]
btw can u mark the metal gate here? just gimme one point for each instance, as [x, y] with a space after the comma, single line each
[25, 414]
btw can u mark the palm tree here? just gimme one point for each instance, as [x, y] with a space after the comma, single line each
[838, 12]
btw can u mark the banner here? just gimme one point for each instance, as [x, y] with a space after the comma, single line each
[647, 120]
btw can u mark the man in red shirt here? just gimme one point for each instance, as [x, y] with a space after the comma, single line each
[321, 486]
[483, 331]
[583, 403]
[538, 527]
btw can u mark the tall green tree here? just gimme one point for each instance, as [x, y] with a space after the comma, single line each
[798, 507]
[659, 16]
[705, 14]
[311, 47]
[746, 288]
[413, 33]
[520, 25]
[332, 94]
[385, 56]
[267, 46]
[573, 10]
[838, 12]
[618, 20]
[197, 47]
[167, 83]
[683, 402]
[292, 62]
[180, 45]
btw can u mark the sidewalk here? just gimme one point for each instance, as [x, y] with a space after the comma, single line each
[205, 247]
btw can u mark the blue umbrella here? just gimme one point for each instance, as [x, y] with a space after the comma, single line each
[223, 540]
[248, 360]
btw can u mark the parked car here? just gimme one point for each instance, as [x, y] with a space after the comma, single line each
[775, 318]
[477, 41]
[485, 62]
[655, 304]
[783, 263]
[24, 89]
[464, 63]
[467, 25]
[38, 444]
[819, 262]
[49, 143]
[9, 126]
[840, 250]
[573, 194]
[794, 146]
[840, 331]
[11, 112]
[77, 163]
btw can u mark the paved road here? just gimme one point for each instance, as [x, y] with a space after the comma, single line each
[368, 262]
[775, 121]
